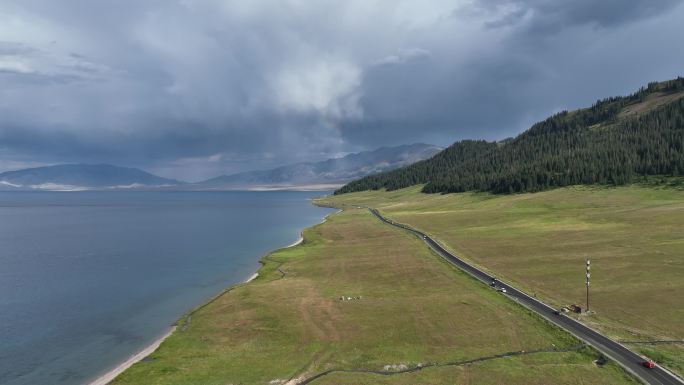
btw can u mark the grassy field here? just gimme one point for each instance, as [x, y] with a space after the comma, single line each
[633, 235]
[411, 309]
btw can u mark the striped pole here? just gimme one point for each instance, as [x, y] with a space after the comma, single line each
[588, 276]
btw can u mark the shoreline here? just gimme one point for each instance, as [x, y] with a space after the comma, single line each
[295, 243]
[112, 374]
[151, 348]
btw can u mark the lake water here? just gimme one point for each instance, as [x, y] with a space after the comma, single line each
[89, 278]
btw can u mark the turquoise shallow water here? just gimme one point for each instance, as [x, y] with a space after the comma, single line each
[89, 278]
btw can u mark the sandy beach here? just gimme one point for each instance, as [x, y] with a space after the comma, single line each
[109, 376]
[301, 237]
[297, 242]
[251, 278]
[112, 374]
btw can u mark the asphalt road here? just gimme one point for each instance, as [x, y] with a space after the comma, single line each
[628, 359]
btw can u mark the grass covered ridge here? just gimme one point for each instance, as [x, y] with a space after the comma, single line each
[413, 309]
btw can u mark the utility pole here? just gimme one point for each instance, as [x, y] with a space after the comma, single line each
[588, 276]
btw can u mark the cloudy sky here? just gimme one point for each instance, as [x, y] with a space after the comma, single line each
[195, 88]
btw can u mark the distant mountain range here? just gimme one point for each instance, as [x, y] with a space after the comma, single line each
[616, 141]
[74, 177]
[329, 172]
[325, 174]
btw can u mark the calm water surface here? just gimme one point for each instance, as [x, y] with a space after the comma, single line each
[89, 278]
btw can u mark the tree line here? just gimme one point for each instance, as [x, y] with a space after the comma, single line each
[612, 142]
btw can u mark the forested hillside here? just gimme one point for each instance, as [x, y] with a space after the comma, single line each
[613, 142]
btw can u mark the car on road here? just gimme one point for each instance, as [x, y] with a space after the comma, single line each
[557, 312]
[648, 364]
[501, 290]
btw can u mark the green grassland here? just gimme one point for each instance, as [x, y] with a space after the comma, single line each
[413, 309]
[633, 235]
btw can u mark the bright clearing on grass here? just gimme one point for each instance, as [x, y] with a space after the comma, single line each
[407, 308]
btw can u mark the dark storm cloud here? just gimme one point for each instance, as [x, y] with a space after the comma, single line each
[192, 89]
[551, 16]
[529, 59]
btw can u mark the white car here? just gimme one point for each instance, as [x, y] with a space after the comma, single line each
[501, 289]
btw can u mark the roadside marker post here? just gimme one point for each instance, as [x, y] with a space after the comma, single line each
[588, 276]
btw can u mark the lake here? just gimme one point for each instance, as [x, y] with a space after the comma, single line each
[89, 278]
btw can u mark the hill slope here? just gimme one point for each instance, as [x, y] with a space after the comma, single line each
[81, 177]
[612, 142]
[330, 171]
